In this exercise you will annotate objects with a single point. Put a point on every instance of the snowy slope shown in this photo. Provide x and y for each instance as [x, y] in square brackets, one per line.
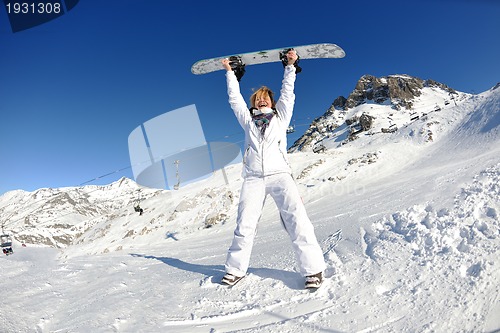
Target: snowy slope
[419, 223]
[57, 217]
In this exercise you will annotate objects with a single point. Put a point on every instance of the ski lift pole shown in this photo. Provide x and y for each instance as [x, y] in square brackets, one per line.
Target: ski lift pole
[176, 186]
[225, 176]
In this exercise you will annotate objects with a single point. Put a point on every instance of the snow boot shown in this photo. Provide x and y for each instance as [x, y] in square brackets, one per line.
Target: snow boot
[230, 279]
[314, 281]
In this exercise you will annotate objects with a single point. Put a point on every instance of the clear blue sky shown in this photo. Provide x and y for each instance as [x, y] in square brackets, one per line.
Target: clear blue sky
[72, 89]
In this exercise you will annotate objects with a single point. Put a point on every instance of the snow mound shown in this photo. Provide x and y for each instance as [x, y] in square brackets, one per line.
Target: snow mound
[442, 252]
[428, 232]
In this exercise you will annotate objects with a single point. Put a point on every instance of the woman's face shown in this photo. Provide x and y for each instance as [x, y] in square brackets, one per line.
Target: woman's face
[263, 101]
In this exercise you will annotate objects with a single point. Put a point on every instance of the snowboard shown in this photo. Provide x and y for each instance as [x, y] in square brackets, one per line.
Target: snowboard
[312, 51]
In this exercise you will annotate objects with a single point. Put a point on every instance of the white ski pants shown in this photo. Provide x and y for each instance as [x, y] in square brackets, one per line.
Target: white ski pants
[283, 190]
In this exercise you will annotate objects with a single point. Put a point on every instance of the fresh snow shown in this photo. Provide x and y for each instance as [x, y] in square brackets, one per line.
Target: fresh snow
[409, 226]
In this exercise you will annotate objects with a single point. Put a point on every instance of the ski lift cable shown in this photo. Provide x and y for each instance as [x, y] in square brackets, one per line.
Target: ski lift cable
[144, 162]
[126, 168]
[98, 187]
[160, 158]
[89, 192]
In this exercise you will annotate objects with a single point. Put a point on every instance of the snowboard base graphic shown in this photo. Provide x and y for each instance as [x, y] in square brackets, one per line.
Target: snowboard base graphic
[313, 51]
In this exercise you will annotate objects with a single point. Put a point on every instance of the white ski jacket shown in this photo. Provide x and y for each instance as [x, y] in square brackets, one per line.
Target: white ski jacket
[264, 155]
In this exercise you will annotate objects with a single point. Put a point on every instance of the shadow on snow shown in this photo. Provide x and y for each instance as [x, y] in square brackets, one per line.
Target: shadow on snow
[292, 280]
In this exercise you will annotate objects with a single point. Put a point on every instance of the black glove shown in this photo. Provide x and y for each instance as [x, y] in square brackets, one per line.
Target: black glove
[237, 66]
[284, 61]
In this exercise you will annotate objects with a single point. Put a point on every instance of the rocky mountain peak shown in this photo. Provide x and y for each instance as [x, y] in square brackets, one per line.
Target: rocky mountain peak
[398, 90]
[385, 103]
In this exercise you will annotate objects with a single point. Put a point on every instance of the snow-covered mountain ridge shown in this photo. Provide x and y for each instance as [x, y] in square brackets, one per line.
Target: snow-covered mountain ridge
[409, 228]
[380, 106]
[58, 216]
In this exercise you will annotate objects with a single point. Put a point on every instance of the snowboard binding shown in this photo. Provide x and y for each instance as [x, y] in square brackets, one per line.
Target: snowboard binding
[237, 66]
[284, 60]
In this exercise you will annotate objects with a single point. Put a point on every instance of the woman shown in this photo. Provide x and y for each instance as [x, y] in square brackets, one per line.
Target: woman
[266, 171]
